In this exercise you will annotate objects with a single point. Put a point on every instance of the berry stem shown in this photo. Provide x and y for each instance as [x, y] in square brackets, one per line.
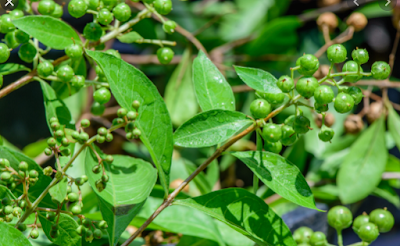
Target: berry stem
[156, 41]
[256, 180]
[340, 237]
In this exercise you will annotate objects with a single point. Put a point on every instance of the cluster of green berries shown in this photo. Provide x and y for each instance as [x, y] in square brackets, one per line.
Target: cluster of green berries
[130, 116]
[11, 209]
[340, 218]
[11, 177]
[308, 86]
[58, 143]
[91, 229]
[15, 37]
[101, 183]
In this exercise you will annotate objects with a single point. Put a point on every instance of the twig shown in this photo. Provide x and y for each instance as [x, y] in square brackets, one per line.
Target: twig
[147, 59]
[390, 175]
[325, 32]
[26, 79]
[178, 28]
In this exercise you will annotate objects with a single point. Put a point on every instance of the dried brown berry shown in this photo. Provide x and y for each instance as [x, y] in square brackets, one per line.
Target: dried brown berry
[329, 19]
[353, 124]
[358, 21]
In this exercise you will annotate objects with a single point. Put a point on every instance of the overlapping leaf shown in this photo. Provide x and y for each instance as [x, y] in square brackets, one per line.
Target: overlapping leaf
[258, 79]
[67, 230]
[12, 236]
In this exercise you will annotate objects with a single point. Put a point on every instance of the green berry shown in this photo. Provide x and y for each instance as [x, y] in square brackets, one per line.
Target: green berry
[94, 4]
[368, 232]
[273, 98]
[309, 64]
[6, 201]
[69, 189]
[46, 7]
[109, 159]
[260, 108]
[102, 225]
[100, 185]
[22, 227]
[8, 209]
[96, 169]
[59, 133]
[48, 171]
[16, 14]
[302, 235]
[340, 217]
[23, 166]
[85, 123]
[136, 133]
[51, 142]
[76, 208]
[4, 53]
[356, 93]
[131, 115]
[383, 219]
[273, 147]
[326, 134]
[102, 131]
[104, 178]
[9, 218]
[77, 8]
[324, 94]
[359, 221]
[306, 86]
[92, 31]
[318, 239]
[73, 197]
[97, 108]
[360, 56]
[80, 230]
[105, 16]
[74, 51]
[301, 124]
[34, 233]
[100, 139]
[58, 11]
[78, 81]
[88, 236]
[122, 112]
[6, 23]
[5, 176]
[290, 120]
[163, 6]
[51, 216]
[65, 73]
[10, 40]
[344, 103]
[289, 136]
[22, 203]
[54, 233]
[84, 136]
[33, 174]
[97, 234]
[272, 132]
[122, 12]
[99, 71]
[337, 53]
[21, 36]
[165, 55]
[102, 95]
[380, 70]
[27, 52]
[351, 67]
[47, 151]
[169, 26]
[109, 137]
[45, 68]
[286, 84]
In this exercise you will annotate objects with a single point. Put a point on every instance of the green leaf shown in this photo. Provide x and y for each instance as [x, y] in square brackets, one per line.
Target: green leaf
[394, 126]
[55, 107]
[34, 149]
[258, 79]
[130, 183]
[278, 36]
[15, 157]
[10, 68]
[212, 90]
[130, 37]
[297, 154]
[195, 241]
[280, 175]
[177, 219]
[67, 230]
[179, 93]
[5, 192]
[210, 128]
[59, 191]
[362, 169]
[385, 191]
[129, 84]
[232, 237]
[244, 212]
[50, 31]
[11, 236]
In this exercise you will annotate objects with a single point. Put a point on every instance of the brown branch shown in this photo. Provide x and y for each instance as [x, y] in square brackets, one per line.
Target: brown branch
[26, 79]
[178, 28]
[147, 59]
[392, 55]
[343, 37]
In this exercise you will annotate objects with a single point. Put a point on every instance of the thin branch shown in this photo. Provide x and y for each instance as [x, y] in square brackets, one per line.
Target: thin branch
[147, 59]
[178, 28]
[26, 79]
[392, 55]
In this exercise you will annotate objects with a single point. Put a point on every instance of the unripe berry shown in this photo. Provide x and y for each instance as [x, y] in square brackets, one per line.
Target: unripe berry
[6, 23]
[169, 26]
[301, 124]
[97, 108]
[105, 16]
[102, 95]
[340, 217]
[122, 112]
[78, 81]
[368, 232]
[97, 234]
[272, 132]
[4, 53]
[109, 159]
[58, 11]
[131, 115]
[45, 68]
[360, 56]
[100, 139]
[33, 174]
[273, 147]
[163, 6]
[96, 169]
[48, 171]
[337, 53]
[73, 197]
[122, 12]
[302, 235]
[343, 103]
[383, 219]
[356, 93]
[102, 224]
[51, 142]
[286, 84]
[306, 86]
[77, 8]
[46, 7]
[76, 208]
[48, 151]
[59, 133]
[109, 137]
[92, 31]
[289, 136]
[5, 176]
[27, 52]
[34, 233]
[23, 166]
[74, 51]
[309, 63]
[359, 221]
[326, 134]
[352, 67]
[318, 239]
[273, 98]
[260, 108]
[136, 104]
[324, 94]
[380, 70]
[85, 123]
[65, 73]
[80, 230]
[165, 55]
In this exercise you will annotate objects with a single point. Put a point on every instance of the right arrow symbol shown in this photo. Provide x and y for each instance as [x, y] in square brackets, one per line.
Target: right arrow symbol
[355, 1]
[388, 2]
